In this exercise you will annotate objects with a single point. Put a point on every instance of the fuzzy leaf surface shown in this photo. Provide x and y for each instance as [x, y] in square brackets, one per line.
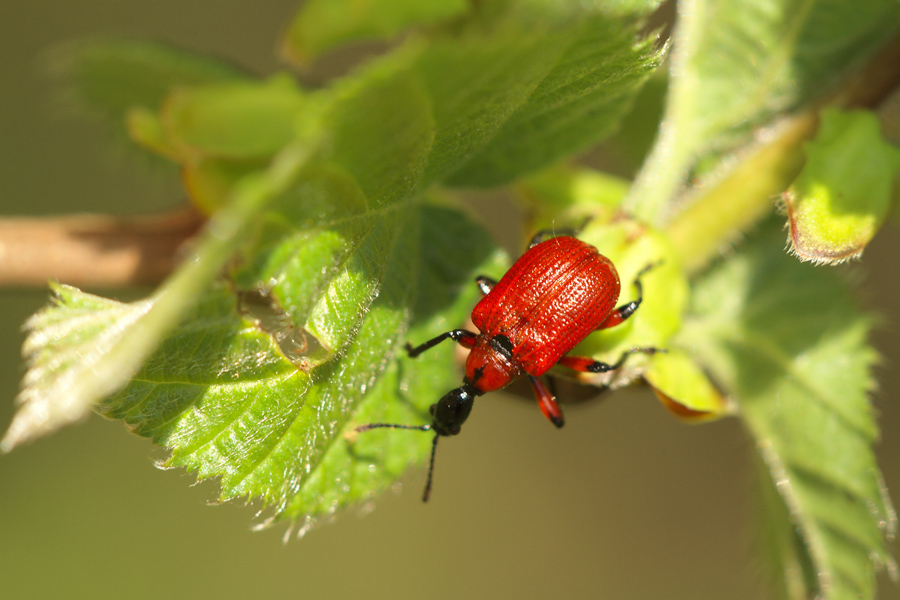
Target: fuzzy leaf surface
[838, 202]
[788, 342]
[221, 394]
[737, 64]
[590, 75]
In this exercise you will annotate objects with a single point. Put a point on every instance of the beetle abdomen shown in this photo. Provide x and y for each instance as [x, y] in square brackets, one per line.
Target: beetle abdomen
[550, 300]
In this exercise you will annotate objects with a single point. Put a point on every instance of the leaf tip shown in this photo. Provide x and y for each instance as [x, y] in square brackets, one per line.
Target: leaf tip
[31, 422]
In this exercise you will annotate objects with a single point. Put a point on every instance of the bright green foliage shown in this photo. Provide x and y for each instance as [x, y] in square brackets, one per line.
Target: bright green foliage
[69, 347]
[70, 372]
[842, 195]
[321, 206]
[788, 343]
[221, 394]
[322, 25]
[737, 64]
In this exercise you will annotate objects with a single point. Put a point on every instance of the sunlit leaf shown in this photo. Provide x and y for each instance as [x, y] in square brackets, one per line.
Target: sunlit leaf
[839, 200]
[221, 394]
[788, 343]
[68, 347]
[578, 101]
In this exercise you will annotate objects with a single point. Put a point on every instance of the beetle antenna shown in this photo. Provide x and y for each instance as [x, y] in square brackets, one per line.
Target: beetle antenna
[369, 426]
[427, 493]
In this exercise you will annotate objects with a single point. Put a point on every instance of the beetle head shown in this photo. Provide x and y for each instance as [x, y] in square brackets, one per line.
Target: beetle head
[448, 414]
[452, 410]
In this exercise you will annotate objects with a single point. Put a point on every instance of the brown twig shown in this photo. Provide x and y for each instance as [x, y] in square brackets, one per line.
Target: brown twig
[94, 250]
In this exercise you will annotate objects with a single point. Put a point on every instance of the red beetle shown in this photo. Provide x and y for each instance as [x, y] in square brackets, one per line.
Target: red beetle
[557, 293]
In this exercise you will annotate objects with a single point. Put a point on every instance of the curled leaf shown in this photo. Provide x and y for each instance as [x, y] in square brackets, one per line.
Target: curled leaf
[683, 387]
[76, 350]
[839, 200]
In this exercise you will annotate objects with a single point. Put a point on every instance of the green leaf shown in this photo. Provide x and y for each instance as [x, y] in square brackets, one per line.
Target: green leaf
[683, 387]
[71, 370]
[789, 344]
[334, 234]
[220, 393]
[505, 65]
[67, 347]
[549, 82]
[322, 25]
[112, 77]
[581, 98]
[564, 194]
[839, 200]
[738, 64]
[236, 119]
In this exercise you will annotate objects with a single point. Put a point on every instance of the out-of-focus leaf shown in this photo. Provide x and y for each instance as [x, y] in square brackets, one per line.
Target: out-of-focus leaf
[570, 195]
[788, 343]
[234, 119]
[322, 25]
[842, 196]
[209, 182]
[737, 64]
[111, 77]
[550, 80]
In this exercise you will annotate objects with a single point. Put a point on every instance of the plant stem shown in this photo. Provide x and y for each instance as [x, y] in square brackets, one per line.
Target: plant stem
[94, 250]
[719, 214]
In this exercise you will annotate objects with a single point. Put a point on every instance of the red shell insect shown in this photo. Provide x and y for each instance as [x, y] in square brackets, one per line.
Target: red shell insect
[557, 293]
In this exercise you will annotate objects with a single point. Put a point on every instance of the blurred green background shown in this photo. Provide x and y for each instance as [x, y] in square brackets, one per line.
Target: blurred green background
[623, 503]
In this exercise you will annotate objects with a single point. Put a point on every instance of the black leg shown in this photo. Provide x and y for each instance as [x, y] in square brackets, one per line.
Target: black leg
[586, 364]
[461, 336]
[626, 310]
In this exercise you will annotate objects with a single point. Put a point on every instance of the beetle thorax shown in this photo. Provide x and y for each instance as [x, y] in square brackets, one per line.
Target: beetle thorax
[491, 364]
